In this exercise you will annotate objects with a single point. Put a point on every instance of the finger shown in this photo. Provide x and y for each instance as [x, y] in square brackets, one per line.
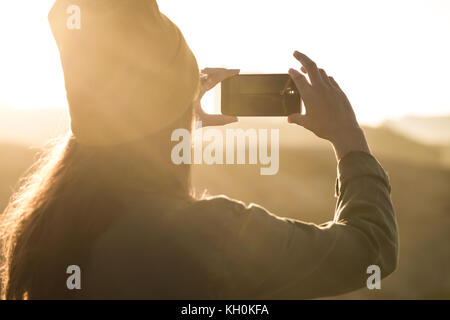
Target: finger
[334, 83]
[324, 77]
[218, 76]
[303, 69]
[224, 74]
[300, 82]
[212, 71]
[310, 67]
[210, 120]
[300, 119]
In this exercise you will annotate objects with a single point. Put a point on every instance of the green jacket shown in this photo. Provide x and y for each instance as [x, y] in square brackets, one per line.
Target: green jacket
[220, 248]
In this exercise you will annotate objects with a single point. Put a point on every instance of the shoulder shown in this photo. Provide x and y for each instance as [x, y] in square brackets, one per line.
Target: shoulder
[211, 219]
[224, 206]
[221, 213]
[221, 218]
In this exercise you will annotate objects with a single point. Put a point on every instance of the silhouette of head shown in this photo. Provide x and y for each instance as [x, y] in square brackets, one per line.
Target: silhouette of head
[128, 69]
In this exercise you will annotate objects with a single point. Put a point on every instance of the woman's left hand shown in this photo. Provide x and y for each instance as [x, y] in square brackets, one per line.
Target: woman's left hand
[210, 77]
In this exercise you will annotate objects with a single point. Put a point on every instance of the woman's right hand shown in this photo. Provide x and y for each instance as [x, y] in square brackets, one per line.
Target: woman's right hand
[329, 113]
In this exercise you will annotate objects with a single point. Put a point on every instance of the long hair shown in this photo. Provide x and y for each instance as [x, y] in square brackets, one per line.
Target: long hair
[70, 196]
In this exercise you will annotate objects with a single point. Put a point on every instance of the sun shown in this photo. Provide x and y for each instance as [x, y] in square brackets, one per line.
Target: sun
[31, 73]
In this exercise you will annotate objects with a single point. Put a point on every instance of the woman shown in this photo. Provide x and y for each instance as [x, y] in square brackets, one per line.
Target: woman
[109, 200]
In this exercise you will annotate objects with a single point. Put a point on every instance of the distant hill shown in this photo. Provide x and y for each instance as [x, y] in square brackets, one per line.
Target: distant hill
[32, 127]
[433, 130]
[36, 126]
[387, 142]
[383, 140]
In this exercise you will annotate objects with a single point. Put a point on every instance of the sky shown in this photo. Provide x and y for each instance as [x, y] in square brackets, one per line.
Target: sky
[390, 57]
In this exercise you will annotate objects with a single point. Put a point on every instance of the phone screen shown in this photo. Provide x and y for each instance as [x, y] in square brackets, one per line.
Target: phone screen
[260, 95]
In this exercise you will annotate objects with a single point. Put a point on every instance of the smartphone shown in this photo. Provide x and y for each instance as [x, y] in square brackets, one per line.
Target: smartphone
[259, 95]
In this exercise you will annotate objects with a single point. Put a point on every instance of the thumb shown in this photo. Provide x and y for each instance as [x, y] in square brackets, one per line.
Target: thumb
[298, 118]
[212, 120]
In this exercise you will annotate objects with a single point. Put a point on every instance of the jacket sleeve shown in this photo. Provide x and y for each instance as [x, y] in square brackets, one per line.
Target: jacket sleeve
[267, 257]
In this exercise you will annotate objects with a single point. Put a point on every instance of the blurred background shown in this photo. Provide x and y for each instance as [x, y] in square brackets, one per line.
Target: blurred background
[390, 57]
